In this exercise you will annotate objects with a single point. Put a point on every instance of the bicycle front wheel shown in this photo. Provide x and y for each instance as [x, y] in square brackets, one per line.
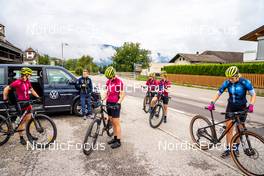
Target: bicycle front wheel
[91, 136]
[201, 132]
[146, 104]
[248, 152]
[41, 131]
[156, 116]
[4, 130]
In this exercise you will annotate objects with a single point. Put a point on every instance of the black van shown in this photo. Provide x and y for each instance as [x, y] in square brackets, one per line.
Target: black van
[54, 84]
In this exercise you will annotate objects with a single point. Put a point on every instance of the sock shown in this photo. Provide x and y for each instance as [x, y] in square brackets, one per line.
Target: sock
[118, 140]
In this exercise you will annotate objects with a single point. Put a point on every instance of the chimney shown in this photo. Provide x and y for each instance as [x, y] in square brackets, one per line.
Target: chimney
[2, 32]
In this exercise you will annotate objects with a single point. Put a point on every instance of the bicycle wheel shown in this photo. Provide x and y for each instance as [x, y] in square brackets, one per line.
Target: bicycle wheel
[109, 129]
[41, 131]
[201, 136]
[4, 130]
[156, 116]
[146, 104]
[91, 136]
[250, 158]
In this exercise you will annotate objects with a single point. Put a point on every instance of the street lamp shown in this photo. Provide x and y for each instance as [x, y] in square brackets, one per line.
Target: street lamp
[63, 44]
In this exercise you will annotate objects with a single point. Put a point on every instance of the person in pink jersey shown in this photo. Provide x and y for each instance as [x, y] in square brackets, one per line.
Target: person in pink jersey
[22, 87]
[114, 97]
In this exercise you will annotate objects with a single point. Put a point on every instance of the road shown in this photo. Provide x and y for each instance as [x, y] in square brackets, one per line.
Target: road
[145, 151]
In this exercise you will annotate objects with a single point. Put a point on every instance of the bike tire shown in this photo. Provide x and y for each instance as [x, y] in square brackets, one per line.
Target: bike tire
[237, 159]
[4, 124]
[39, 119]
[109, 129]
[194, 133]
[95, 123]
[151, 116]
[145, 102]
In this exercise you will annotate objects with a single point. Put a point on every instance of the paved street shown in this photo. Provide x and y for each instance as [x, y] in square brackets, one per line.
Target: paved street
[145, 151]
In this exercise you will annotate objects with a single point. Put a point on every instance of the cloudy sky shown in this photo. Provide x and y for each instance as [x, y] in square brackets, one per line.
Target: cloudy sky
[162, 26]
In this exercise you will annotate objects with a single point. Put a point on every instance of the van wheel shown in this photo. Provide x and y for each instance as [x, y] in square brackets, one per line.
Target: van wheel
[77, 110]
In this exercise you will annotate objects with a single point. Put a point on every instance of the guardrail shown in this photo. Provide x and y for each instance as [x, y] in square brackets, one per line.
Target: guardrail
[214, 81]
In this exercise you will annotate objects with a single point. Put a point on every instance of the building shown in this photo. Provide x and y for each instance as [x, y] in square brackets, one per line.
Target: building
[256, 36]
[8, 52]
[31, 57]
[183, 59]
[227, 56]
[154, 68]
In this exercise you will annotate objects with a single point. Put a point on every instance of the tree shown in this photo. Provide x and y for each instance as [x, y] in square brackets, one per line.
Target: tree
[44, 60]
[129, 54]
[86, 62]
[71, 64]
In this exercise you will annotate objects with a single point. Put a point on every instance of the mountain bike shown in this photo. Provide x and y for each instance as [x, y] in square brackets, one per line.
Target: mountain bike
[94, 130]
[147, 101]
[247, 148]
[41, 131]
[157, 115]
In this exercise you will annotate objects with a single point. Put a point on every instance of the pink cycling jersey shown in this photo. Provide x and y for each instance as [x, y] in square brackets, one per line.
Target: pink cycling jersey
[152, 83]
[114, 86]
[163, 85]
[22, 89]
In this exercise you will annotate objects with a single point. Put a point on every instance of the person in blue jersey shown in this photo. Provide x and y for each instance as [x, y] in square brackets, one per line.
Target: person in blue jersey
[237, 88]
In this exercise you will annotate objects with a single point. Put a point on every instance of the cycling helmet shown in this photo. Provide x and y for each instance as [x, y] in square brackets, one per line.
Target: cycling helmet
[110, 72]
[232, 72]
[163, 73]
[26, 71]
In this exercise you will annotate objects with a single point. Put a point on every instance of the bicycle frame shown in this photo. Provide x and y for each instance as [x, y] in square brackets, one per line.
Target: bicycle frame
[214, 139]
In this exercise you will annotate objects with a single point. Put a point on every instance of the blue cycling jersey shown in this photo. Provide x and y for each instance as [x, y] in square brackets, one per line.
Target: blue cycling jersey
[237, 91]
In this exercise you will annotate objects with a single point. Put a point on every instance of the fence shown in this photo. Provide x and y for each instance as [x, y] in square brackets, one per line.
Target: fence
[214, 81]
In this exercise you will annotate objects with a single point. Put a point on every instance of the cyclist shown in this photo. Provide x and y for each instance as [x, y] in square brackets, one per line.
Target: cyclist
[237, 88]
[22, 88]
[152, 83]
[114, 97]
[164, 85]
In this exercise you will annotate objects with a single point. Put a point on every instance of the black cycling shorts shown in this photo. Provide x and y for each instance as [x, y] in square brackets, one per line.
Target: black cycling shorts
[113, 111]
[165, 100]
[235, 108]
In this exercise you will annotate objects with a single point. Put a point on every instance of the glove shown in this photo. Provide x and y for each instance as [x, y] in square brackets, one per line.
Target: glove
[211, 106]
[250, 108]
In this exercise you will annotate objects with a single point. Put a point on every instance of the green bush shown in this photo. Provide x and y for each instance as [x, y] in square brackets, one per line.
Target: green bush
[214, 69]
[78, 71]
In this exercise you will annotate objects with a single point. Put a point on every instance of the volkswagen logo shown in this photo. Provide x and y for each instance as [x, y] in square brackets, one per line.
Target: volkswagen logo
[54, 94]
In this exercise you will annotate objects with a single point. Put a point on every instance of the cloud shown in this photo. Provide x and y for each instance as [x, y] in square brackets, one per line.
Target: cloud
[165, 27]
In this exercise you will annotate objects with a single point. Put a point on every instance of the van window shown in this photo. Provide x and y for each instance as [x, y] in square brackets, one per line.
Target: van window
[57, 76]
[34, 77]
[2, 76]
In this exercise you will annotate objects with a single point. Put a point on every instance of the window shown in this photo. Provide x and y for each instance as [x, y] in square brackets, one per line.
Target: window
[34, 77]
[57, 76]
[2, 76]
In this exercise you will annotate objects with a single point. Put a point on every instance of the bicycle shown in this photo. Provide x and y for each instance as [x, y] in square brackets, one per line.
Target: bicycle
[155, 119]
[94, 128]
[245, 156]
[37, 128]
[147, 101]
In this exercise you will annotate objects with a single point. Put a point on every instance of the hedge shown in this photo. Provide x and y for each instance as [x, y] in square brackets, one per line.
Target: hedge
[214, 69]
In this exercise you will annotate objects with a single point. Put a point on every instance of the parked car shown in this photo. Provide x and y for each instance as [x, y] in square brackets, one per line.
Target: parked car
[54, 84]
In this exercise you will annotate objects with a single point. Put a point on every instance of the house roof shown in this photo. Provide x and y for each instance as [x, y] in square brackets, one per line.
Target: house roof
[198, 58]
[253, 35]
[229, 57]
[29, 50]
[10, 46]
